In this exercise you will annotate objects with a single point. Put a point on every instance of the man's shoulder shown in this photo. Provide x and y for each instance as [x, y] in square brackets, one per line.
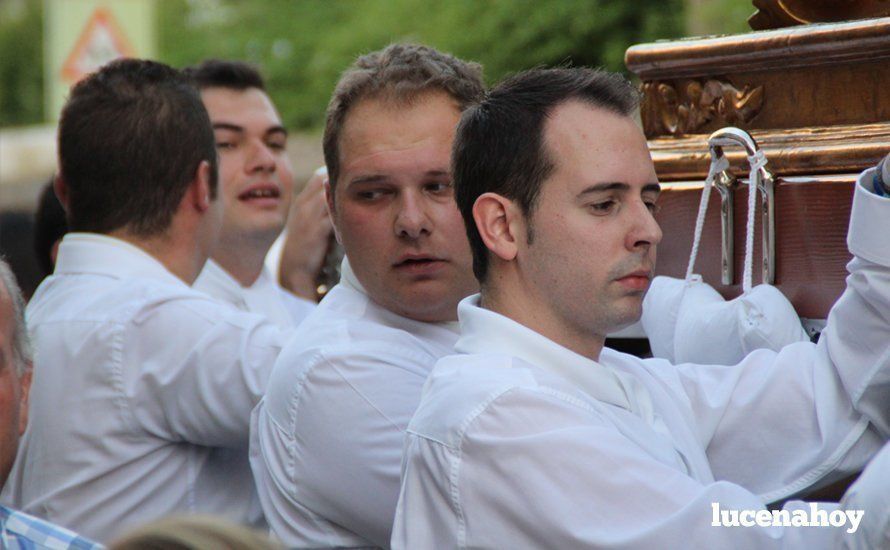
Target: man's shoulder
[493, 395]
[348, 329]
[463, 386]
[20, 530]
[90, 298]
[85, 322]
[345, 348]
[75, 292]
[351, 350]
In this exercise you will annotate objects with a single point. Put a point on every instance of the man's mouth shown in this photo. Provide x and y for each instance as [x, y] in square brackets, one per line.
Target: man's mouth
[417, 264]
[636, 281]
[261, 194]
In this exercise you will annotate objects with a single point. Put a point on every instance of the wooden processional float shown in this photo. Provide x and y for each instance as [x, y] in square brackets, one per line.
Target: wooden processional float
[813, 98]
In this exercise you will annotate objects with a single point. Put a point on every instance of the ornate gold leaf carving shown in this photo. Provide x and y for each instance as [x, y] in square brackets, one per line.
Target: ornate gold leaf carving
[666, 110]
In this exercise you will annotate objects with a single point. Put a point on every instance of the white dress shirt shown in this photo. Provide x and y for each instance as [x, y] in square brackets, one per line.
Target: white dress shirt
[521, 443]
[870, 493]
[326, 441]
[264, 297]
[141, 397]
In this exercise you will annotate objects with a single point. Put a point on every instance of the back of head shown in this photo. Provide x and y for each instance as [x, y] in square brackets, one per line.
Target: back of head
[401, 73]
[193, 533]
[499, 146]
[222, 73]
[131, 138]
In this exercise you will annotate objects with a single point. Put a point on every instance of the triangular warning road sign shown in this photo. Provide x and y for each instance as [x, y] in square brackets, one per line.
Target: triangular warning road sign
[101, 41]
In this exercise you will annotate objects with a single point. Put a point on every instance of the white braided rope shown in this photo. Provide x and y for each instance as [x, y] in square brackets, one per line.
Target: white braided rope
[756, 162]
[718, 165]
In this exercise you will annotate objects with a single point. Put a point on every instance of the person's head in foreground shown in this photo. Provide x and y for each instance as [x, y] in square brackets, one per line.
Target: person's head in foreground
[193, 533]
[557, 189]
[255, 174]
[15, 369]
[137, 161]
[387, 143]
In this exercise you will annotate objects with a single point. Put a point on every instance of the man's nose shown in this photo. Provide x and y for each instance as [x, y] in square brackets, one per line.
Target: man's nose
[260, 158]
[412, 220]
[645, 231]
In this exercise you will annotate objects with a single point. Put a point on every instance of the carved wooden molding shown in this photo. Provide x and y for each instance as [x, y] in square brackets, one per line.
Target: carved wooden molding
[782, 49]
[776, 14]
[791, 152]
[667, 110]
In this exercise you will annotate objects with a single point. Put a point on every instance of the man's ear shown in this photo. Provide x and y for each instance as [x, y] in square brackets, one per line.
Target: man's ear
[496, 218]
[25, 382]
[329, 201]
[60, 188]
[200, 189]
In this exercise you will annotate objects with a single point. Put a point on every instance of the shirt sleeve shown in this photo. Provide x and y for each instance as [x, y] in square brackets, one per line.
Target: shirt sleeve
[534, 470]
[871, 494]
[824, 404]
[194, 369]
[329, 436]
[298, 308]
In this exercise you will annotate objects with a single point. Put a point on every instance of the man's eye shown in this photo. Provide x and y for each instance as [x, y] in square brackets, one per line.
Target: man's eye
[277, 146]
[604, 207]
[438, 187]
[653, 207]
[225, 145]
[370, 194]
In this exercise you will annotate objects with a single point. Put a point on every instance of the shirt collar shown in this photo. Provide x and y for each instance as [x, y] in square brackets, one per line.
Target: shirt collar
[265, 285]
[224, 279]
[106, 255]
[348, 278]
[484, 331]
[215, 279]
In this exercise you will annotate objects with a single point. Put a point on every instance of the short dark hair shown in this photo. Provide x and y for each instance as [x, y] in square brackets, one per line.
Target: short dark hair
[499, 146]
[131, 138]
[224, 73]
[400, 72]
[49, 226]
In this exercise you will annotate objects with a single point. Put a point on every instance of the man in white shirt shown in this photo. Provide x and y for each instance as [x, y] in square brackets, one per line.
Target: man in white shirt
[256, 185]
[143, 387]
[326, 440]
[536, 436]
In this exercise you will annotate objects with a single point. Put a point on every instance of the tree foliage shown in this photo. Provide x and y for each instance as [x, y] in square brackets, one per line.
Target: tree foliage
[21, 67]
[302, 47]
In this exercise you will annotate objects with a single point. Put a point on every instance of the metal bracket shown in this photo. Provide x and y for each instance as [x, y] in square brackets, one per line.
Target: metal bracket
[765, 184]
[725, 183]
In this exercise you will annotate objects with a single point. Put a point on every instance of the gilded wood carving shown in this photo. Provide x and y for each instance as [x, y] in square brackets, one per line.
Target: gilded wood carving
[685, 108]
